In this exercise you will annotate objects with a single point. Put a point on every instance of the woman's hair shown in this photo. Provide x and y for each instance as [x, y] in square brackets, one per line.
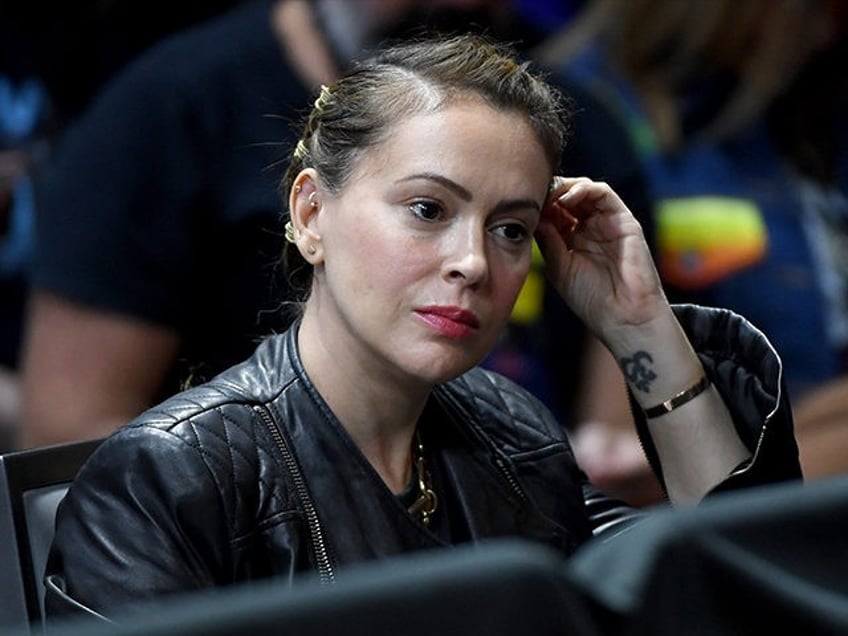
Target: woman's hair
[359, 110]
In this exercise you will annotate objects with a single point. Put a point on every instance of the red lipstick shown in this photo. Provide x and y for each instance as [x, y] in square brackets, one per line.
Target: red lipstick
[453, 322]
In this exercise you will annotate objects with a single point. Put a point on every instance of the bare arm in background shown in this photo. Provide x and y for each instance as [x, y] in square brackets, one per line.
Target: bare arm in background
[821, 425]
[85, 372]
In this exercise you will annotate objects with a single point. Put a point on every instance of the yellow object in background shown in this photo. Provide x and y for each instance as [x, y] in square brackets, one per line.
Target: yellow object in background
[702, 240]
[528, 305]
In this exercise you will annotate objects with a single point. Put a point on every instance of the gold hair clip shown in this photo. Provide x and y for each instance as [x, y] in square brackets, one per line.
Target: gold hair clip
[301, 150]
[323, 97]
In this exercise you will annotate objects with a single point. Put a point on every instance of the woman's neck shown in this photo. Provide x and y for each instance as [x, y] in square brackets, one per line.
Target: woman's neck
[378, 410]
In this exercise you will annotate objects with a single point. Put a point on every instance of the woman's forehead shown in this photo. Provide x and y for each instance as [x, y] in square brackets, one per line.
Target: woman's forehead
[461, 139]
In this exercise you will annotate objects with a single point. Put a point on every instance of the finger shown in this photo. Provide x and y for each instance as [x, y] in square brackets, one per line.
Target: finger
[560, 216]
[584, 197]
[554, 209]
[562, 221]
[554, 242]
[561, 185]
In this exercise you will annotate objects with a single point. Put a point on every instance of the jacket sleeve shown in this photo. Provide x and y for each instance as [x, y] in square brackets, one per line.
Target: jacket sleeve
[748, 373]
[144, 517]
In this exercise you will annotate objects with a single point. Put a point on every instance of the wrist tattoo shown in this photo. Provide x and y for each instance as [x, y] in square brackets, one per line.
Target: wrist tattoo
[638, 371]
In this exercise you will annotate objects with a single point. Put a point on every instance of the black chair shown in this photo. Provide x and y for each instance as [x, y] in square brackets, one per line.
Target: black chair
[738, 563]
[501, 588]
[32, 483]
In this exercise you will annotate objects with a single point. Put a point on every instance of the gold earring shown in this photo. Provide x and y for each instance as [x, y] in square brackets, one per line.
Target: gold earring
[312, 201]
[289, 232]
[297, 189]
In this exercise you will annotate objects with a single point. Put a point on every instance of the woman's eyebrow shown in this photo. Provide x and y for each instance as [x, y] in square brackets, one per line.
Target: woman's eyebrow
[450, 184]
[517, 204]
[466, 195]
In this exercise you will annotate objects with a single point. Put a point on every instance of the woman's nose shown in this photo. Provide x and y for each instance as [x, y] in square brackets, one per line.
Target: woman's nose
[467, 261]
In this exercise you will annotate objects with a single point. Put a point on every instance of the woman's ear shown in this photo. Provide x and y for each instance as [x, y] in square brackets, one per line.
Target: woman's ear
[305, 206]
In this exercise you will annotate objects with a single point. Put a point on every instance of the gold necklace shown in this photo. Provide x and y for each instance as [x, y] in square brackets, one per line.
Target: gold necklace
[427, 501]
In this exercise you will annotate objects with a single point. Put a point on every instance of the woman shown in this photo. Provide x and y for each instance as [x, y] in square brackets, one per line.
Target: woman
[365, 430]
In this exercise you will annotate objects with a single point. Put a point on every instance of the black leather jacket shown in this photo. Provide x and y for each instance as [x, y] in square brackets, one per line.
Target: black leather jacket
[251, 475]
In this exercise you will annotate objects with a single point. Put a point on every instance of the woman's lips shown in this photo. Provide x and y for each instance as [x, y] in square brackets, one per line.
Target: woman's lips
[453, 322]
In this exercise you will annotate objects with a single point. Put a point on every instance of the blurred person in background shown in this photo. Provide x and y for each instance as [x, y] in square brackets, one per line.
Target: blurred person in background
[52, 59]
[737, 112]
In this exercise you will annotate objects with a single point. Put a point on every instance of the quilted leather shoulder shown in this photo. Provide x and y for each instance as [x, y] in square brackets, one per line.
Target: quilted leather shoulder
[512, 417]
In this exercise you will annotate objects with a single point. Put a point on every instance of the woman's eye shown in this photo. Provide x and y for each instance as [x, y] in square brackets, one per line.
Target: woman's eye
[513, 232]
[426, 210]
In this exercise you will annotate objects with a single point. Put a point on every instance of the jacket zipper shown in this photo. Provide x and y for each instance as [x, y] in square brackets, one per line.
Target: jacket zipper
[510, 478]
[640, 439]
[324, 564]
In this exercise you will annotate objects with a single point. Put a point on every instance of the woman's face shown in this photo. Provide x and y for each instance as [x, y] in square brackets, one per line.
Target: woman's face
[425, 249]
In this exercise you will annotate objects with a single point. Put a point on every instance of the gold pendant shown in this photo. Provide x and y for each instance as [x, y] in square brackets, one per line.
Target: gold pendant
[427, 501]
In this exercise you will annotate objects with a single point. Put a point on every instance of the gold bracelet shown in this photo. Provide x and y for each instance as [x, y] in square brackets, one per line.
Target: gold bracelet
[678, 400]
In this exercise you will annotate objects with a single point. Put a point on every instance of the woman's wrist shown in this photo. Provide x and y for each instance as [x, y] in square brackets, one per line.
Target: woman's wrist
[657, 361]
[693, 433]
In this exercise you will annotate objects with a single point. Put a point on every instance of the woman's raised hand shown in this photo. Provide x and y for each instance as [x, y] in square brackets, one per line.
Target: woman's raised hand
[597, 258]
